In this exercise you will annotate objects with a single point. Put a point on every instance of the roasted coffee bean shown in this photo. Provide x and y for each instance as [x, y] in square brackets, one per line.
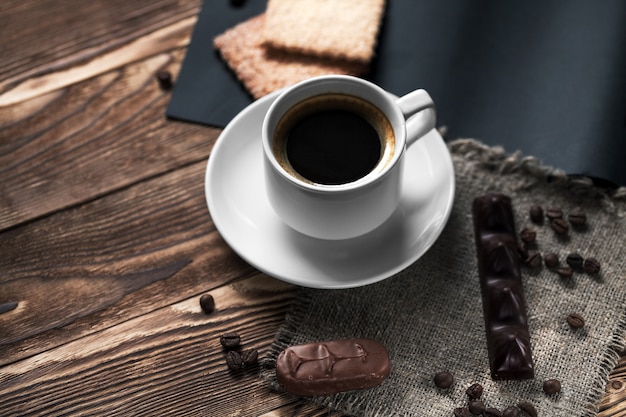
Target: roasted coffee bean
[536, 214]
[462, 412]
[552, 386]
[554, 213]
[250, 357]
[534, 260]
[207, 303]
[591, 266]
[560, 226]
[551, 260]
[528, 408]
[234, 361]
[575, 320]
[165, 79]
[528, 235]
[230, 340]
[575, 261]
[565, 272]
[577, 218]
[492, 412]
[475, 391]
[476, 407]
[444, 380]
[511, 411]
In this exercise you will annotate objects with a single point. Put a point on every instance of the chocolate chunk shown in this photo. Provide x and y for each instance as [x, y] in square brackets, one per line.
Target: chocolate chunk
[443, 380]
[508, 340]
[324, 368]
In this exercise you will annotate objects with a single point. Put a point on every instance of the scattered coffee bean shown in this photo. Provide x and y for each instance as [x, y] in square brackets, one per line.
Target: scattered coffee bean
[536, 214]
[511, 411]
[577, 218]
[575, 261]
[528, 235]
[234, 361]
[575, 320]
[444, 380]
[551, 260]
[207, 303]
[250, 357]
[528, 408]
[534, 260]
[462, 412]
[591, 266]
[522, 250]
[165, 79]
[475, 391]
[560, 226]
[565, 272]
[492, 412]
[476, 407]
[552, 386]
[554, 213]
[230, 340]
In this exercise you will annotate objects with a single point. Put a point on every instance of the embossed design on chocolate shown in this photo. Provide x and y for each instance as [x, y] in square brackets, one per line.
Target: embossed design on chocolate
[325, 368]
[506, 323]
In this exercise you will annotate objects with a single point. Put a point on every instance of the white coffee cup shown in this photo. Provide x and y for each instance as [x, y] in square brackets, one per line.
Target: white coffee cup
[347, 209]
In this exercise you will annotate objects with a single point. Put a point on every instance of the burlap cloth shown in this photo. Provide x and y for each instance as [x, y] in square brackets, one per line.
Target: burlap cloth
[430, 315]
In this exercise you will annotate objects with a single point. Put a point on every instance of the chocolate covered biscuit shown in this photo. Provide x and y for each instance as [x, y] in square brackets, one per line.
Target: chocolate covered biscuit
[324, 368]
[506, 323]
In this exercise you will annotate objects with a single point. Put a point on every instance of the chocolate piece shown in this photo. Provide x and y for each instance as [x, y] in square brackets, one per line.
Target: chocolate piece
[324, 368]
[506, 323]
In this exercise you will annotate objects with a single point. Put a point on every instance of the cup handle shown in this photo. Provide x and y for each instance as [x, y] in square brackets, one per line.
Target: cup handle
[419, 111]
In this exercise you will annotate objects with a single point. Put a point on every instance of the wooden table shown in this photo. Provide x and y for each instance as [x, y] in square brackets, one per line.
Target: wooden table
[106, 243]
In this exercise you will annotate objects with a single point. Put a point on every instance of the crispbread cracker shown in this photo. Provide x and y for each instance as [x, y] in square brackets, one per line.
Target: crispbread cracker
[344, 29]
[262, 69]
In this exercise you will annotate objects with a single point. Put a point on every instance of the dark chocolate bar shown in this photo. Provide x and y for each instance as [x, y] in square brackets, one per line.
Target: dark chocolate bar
[506, 323]
[325, 368]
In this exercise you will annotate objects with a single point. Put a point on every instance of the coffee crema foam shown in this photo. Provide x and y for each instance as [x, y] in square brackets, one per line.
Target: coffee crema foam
[328, 103]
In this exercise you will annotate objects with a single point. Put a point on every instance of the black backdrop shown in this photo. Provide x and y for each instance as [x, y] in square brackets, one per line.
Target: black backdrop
[544, 77]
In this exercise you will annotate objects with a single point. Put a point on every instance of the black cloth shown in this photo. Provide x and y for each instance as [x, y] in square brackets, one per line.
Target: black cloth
[543, 77]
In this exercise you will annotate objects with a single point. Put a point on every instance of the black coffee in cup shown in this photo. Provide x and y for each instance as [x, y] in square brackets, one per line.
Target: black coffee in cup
[333, 139]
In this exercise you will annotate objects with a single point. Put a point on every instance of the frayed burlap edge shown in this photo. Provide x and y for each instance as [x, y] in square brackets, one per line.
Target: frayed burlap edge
[531, 172]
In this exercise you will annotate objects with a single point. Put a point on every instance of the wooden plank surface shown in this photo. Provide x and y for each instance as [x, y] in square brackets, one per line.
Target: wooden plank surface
[106, 243]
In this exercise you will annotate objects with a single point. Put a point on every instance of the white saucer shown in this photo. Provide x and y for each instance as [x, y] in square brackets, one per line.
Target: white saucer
[235, 193]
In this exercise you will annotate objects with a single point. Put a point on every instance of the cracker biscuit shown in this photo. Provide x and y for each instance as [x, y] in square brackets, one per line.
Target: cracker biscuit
[345, 29]
[263, 69]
